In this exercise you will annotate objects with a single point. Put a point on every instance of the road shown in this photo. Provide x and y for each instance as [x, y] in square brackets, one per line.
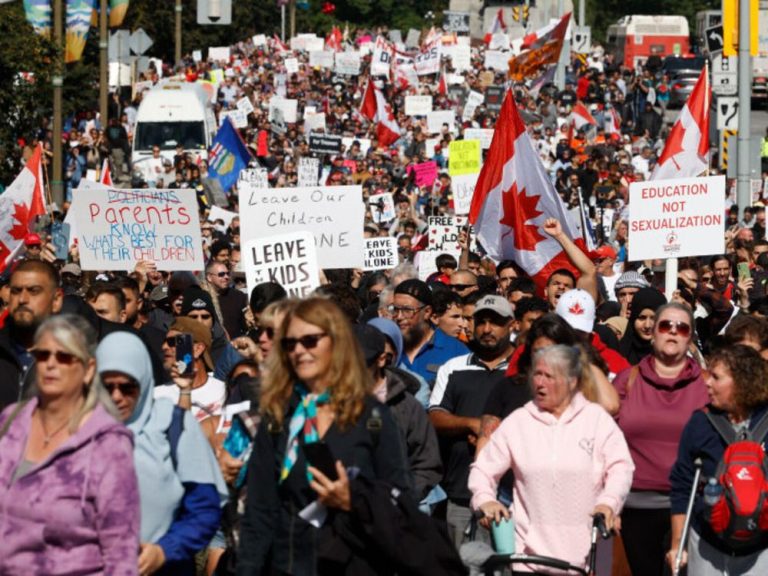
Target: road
[758, 120]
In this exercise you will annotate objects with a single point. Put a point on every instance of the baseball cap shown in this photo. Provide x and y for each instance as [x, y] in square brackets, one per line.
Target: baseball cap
[603, 251]
[578, 309]
[200, 335]
[159, 293]
[32, 239]
[72, 268]
[630, 279]
[494, 303]
[416, 289]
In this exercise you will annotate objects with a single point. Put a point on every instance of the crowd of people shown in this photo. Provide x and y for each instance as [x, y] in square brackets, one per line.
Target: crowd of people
[173, 423]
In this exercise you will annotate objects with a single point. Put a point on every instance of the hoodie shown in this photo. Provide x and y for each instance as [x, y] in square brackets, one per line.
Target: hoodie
[586, 463]
[75, 513]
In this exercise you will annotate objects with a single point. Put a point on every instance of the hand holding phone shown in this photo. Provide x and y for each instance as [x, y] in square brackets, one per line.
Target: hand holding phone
[185, 358]
[319, 456]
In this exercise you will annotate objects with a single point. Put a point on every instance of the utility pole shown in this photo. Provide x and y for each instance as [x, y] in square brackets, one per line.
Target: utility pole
[565, 53]
[103, 64]
[178, 11]
[582, 13]
[743, 190]
[57, 183]
[293, 18]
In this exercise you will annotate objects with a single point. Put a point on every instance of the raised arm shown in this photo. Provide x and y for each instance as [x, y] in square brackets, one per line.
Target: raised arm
[587, 271]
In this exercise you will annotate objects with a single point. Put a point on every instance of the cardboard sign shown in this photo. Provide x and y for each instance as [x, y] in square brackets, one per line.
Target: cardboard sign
[324, 144]
[485, 135]
[425, 173]
[218, 213]
[676, 218]
[117, 228]
[347, 63]
[309, 171]
[289, 108]
[256, 177]
[288, 259]
[380, 254]
[464, 157]
[437, 118]
[321, 59]
[382, 207]
[418, 105]
[333, 214]
[463, 187]
[245, 105]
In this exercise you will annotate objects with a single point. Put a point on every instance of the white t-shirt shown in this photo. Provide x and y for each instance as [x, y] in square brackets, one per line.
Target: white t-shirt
[207, 400]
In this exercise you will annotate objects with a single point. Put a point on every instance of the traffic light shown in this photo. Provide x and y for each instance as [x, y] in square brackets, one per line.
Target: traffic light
[516, 13]
[526, 13]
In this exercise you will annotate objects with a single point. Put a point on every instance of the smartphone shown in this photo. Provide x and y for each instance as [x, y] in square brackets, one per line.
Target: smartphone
[184, 356]
[743, 270]
[60, 239]
[319, 455]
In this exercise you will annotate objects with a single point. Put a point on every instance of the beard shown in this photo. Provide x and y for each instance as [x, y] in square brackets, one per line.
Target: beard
[414, 336]
[493, 350]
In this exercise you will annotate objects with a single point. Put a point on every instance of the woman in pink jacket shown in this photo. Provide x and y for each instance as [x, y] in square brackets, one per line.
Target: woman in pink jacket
[569, 459]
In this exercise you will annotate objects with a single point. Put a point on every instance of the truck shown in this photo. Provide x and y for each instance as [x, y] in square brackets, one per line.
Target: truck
[633, 39]
[174, 112]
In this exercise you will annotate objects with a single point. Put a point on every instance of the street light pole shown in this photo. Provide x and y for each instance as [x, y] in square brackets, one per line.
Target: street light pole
[57, 183]
[565, 53]
[103, 64]
[743, 188]
[178, 11]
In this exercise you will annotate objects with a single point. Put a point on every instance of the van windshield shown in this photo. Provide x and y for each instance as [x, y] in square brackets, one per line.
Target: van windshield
[167, 135]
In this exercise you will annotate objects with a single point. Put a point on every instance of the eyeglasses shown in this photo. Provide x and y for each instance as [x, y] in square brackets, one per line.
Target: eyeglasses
[308, 342]
[404, 311]
[460, 287]
[61, 357]
[682, 328]
[268, 330]
[221, 274]
[126, 389]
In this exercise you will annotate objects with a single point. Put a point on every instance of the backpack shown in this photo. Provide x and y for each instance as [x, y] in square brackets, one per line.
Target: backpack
[740, 516]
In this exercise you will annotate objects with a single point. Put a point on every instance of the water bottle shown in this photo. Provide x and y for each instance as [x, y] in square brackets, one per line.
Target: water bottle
[712, 492]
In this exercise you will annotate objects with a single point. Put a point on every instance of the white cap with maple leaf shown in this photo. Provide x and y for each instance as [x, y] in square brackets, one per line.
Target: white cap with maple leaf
[578, 309]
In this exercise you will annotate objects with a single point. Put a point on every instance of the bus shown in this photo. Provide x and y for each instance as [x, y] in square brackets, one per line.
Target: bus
[634, 38]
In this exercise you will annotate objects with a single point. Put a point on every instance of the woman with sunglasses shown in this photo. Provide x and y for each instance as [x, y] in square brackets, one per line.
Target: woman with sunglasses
[70, 500]
[658, 396]
[180, 486]
[315, 390]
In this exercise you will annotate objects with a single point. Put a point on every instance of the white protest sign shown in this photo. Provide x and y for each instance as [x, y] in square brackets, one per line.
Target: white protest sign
[218, 53]
[412, 38]
[259, 40]
[497, 60]
[444, 233]
[460, 56]
[418, 105]
[382, 57]
[428, 60]
[437, 118]
[429, 147]
[485, 135]
[314, 44]
[299, 42]
[245, 105]
[218, 213]
[499, 41]
[463, 187]
[314, 121]
[197, 55]
[676, 218]
[382, 207]
[365, 143]
[321, 58]
[334, 214]
[309, 171]
[289, 108]
[380, 253]
[238, 117]
[288, 259]
[347, 63]
[117, 228]
[474, 99]
[254, 177]
[291, 65]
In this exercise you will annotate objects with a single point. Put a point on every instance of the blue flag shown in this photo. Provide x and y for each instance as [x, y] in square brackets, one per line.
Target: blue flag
[228, 155]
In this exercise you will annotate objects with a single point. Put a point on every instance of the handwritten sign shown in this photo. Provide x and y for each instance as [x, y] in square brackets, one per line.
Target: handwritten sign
[256, 177]
[464, 157]
[218, 213]
[259, 40]
[238, 117]
[463, 187]
[418, 105]
[444, 233]
[425, 173]
[382, 207]
[245, 105]
[497, 60]
[309, 170]
[218, 53]
[288, 259]
[333, 214]
[347, 63]
[321, 59]
[485, 135]
[117, 228]
[380, 253]
[437, 118]
[292, 65]
[288, 107]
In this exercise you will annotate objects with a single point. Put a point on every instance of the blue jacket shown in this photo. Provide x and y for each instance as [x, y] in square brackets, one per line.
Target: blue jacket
[436, 352]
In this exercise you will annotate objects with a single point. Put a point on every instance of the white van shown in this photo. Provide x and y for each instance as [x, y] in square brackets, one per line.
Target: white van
[174, 112]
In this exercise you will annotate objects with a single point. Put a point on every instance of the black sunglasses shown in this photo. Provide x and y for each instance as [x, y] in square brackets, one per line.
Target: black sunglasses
[222, 274]
[171, 341]
[460, 287]
[268, 330]
[127, 389]
[308, 342]
[62, 357]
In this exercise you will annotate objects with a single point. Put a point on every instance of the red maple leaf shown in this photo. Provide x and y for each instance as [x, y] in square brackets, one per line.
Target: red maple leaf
[519, 209]
[674, 144]
[576, 309]
[20, 215]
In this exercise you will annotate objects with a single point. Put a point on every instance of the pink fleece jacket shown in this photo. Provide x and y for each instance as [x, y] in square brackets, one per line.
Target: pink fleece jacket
[563, 469]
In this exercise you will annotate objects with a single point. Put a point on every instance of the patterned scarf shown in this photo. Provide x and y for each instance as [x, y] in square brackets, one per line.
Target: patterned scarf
[304, 420]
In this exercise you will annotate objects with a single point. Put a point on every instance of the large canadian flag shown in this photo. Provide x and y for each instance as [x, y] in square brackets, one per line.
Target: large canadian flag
[513, 197]
[20, 204]
[376, 108]
[686, 152]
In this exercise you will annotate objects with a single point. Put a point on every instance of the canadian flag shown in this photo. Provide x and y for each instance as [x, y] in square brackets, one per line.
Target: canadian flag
[686, 152]
[612, 122]
[376, 108]
[442, 84]
[279, 44]
[106, 174]
[334, 39]
[512, 199]
[20, 204]
[580, 116]
[497, 25]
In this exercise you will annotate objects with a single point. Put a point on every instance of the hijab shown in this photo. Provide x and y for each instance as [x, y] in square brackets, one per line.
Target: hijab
[632, 346]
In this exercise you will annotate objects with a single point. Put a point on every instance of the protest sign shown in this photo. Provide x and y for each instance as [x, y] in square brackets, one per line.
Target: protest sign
[380, 254]
[314, 121]
[412, 38]
[238, 117]
[464, 157]
[494, 97]
[455, 21]
[218, 53]
[347, 63]
[117, 228]
[365, 143]
[334, 215]
[425, 173]
[324, 144]
[309, 170]
[382, 207]
[677, 217]
[287, 259]
[428, 60]
[437, 118]
[245, 105]
[474, 99]
[299, 42]
[485, 135]
[289, 108]
[382, 57]
[259, 40]
[218, 213]
[429, 147]
[497, 60]
[460, 55]
[291, 65]
[197, 55]
[256, 177]
[418, 105]
[314, 44]
[499, 41]
[463, 187]
[321, 59]
[444, 233]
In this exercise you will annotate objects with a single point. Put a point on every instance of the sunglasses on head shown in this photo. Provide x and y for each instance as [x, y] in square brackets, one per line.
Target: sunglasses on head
[682, 328]
[308, 342]
[61, 357]
[126, 389]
